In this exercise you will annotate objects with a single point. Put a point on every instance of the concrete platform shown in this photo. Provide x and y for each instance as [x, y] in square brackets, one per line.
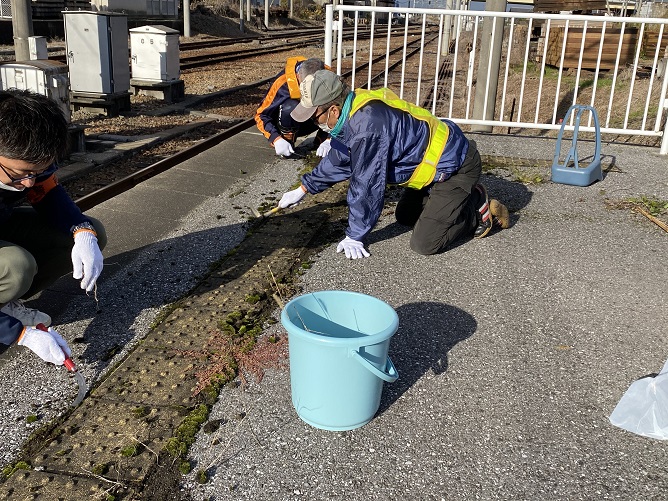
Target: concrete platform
[512, 350]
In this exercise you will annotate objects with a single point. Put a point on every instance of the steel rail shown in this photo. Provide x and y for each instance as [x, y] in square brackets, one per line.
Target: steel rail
[105, 193]
[122, 185]
[199, 60]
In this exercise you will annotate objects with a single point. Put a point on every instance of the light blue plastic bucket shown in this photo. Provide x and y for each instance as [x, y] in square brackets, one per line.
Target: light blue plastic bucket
[338, 343]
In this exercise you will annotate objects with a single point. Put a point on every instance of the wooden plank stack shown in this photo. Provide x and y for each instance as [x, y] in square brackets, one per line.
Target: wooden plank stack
[650, 40]
[559, 5]
[591, 46]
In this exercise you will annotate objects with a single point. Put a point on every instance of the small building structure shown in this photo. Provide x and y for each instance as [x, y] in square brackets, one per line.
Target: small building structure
[155, 63]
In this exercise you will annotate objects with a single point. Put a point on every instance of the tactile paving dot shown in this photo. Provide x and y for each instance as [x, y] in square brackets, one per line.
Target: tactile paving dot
[123, 438]
[183, 331]
[30, 484]
[156, 377]
[132, 380]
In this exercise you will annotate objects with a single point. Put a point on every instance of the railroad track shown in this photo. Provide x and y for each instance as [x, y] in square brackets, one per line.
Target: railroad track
[119, 186]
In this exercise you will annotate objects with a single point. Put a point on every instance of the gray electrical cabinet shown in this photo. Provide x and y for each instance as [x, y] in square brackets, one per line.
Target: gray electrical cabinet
[45, 77]
[155, 53]
[97, 51]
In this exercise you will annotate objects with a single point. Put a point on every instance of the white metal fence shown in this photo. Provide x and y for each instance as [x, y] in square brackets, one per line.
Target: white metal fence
[548, 62]
[5, 9]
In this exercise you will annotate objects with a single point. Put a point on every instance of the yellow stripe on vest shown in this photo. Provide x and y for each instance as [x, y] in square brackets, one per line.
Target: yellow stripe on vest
[425, 171]
[291, 76]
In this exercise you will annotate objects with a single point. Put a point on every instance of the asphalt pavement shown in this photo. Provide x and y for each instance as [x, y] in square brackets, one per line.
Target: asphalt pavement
[512, 353]
[512, 350]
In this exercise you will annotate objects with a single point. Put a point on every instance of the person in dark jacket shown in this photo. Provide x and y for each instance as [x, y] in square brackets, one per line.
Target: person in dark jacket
[41, 243]
[379, 139]
[273, 116]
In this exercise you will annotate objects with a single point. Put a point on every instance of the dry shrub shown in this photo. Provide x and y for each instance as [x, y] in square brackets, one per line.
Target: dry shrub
[229, 356]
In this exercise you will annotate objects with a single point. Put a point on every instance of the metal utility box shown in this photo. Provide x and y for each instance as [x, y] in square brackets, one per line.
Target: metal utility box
[97, 51]
[155, 53]
[37, 48]
[48, 78]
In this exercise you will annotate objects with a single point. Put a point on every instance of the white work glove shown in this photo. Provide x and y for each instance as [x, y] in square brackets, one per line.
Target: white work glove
[283, 147]
[352, 248]
[47, 345]
[324, 148]
[291, 197]
[87, 260]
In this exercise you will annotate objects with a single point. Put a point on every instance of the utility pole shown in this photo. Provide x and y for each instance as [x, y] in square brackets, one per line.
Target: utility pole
[186, 18]
[266, 14]
[445, 43]
[489, 66]
[241, 16]
[22, 26]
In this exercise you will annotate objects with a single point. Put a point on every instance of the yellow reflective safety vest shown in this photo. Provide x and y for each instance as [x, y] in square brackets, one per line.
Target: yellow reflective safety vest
[291, 76]
[425, 172]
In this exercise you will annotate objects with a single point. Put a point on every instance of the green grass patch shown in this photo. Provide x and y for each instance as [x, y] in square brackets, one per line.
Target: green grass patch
[202, 477]
[185, 434]
[131, 450]
[656, 207]
[100, 469]
[10, 469]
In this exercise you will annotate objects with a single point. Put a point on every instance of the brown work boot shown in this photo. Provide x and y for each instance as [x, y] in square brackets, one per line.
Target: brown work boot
[500, 213]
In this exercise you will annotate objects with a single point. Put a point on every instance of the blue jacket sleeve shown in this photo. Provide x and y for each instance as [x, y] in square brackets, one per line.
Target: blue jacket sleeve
[10, 329]
[366, 167]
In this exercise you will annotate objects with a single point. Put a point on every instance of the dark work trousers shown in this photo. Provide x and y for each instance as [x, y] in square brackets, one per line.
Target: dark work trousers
[34, 254]
[442, 212]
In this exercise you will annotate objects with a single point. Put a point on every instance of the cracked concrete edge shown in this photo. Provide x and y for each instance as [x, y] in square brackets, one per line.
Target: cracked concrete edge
[159, 379]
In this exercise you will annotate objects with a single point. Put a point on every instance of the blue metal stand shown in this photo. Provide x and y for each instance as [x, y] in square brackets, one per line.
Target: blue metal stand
[574, 174]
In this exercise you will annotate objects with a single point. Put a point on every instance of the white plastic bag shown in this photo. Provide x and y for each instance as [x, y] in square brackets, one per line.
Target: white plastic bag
[643, 409]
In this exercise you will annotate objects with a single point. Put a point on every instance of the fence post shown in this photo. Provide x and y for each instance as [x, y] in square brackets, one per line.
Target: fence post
[664, 138]
[329, 17]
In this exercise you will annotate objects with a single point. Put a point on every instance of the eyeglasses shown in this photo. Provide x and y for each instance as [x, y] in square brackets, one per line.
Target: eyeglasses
[318, 115]
[15, 180]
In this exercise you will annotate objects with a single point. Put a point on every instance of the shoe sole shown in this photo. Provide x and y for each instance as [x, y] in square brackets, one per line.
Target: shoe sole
[483, 235]
[500, 212]
[483, 191]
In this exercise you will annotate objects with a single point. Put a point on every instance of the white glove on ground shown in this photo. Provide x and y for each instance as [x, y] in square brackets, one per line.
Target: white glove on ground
[87, 260]
[283, 147]
[291, 197]
[352, 248]
[47, 345]
[324, 148]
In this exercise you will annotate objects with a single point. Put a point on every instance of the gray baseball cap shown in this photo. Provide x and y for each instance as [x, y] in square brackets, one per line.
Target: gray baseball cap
[322, 87]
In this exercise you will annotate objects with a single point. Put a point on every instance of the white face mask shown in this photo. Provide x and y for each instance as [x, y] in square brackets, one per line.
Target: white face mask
[324, 127]
[9, 187]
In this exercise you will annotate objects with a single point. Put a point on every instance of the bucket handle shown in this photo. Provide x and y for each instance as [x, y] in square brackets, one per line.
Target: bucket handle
[390, 375]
